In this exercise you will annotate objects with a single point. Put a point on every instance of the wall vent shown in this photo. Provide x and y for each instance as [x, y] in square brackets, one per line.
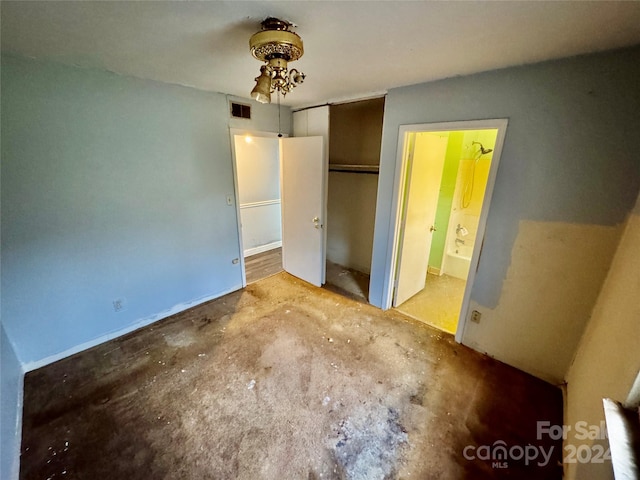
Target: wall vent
[240, 110]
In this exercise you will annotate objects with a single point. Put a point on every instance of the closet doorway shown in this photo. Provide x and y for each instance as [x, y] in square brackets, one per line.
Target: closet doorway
[353, 133]
[355, 136]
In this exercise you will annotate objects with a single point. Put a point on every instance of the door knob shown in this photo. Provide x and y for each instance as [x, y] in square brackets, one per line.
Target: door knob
[316, 222]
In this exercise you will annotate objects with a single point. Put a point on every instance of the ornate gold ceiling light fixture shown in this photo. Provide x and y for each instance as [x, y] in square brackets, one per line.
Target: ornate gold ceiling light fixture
[276, 45]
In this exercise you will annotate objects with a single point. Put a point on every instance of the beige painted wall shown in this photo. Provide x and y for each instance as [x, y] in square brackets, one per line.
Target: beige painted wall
[350, 219]
[355, 135]
[608, 357]
[356, 131]
[556, 272]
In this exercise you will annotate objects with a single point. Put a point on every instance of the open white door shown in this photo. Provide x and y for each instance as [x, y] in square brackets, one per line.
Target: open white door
[424, 174]
[303, 170]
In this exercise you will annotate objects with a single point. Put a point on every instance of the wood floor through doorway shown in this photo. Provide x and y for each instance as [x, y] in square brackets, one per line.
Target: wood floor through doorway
[263, 265]
[283, 380]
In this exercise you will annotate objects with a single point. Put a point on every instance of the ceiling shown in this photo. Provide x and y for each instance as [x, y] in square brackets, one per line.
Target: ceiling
[353, 49]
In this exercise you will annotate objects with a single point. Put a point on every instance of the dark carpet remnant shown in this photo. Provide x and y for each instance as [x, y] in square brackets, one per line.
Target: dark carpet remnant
[281, 380]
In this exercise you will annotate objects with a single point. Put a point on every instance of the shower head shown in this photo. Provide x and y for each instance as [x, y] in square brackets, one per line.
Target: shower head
[482, 149]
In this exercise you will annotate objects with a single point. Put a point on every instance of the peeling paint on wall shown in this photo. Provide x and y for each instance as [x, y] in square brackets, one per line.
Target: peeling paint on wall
[567, 160]
[551, 286]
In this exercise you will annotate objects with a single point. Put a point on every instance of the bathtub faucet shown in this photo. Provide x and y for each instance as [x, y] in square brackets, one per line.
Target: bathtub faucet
[459, 242]
[462, 231]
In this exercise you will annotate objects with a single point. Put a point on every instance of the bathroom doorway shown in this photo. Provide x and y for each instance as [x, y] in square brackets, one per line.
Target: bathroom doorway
[447, 179]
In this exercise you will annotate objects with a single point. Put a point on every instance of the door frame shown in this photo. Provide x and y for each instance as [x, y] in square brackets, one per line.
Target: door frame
[398, 195]
[253, 133]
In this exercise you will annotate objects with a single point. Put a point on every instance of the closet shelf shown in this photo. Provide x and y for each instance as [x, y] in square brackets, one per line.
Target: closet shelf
[349, 168]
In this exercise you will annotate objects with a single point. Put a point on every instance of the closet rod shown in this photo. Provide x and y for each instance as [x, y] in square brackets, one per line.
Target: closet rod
[348, 168]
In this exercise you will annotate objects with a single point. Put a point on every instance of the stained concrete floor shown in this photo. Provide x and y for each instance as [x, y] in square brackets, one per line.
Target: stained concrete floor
[347, 282]
[281, 381]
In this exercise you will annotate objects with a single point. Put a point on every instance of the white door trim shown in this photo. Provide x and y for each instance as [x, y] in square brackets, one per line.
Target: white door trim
[399, 182]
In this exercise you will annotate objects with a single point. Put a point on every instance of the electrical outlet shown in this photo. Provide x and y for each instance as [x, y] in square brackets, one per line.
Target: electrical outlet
[119, 304]
[475, 316]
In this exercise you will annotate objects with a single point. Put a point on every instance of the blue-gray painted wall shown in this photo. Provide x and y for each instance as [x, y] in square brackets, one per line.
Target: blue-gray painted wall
[11, 379]
[112, 188]
[570, 153]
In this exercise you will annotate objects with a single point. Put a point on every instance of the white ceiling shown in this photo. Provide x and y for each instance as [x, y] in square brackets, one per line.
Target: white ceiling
[352, 49]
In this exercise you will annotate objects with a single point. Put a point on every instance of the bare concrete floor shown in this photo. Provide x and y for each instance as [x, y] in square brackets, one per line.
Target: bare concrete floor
[283, 381]
[347, 282]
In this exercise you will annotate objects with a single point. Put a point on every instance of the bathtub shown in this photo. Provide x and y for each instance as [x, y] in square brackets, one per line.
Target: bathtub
[457, 255]
[457, 260]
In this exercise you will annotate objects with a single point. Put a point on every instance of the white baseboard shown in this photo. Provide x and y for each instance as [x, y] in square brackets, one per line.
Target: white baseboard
[434, 271]
[262, 248]
[14, 472]
[27, 367]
